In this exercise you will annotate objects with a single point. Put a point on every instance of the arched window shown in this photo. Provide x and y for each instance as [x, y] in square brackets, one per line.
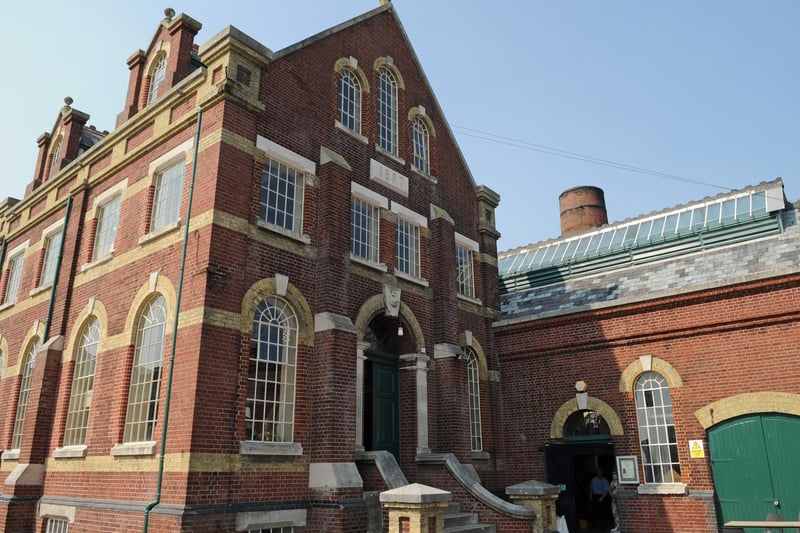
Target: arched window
[148, 361]
[350, 100]
[387, 111]
[55, 158]
[80, 400]
[269, 415]
[421, 142]
[656, 429]
[157, 77]
[28, 364]
[474, 384]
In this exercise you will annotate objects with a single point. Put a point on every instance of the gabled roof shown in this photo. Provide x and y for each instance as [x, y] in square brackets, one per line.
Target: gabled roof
[724, 219]
[389, 8]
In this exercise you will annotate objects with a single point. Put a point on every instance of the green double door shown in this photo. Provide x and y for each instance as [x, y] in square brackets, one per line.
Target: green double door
[755, 461]
[382, 405]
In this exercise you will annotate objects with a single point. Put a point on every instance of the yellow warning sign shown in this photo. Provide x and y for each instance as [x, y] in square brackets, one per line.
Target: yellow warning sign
[696, 450]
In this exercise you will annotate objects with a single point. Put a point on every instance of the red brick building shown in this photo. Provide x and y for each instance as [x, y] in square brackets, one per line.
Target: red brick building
[663, 347]
[242, 309]
[272, 292]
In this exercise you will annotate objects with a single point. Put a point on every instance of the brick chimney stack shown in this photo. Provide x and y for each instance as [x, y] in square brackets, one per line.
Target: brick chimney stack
[582, 208]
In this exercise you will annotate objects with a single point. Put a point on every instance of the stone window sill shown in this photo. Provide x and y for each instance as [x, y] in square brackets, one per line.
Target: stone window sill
[153, 235]
[354, 134]
[252, 447]
[97, 262]
[263, 224]
[410, 278]
[662, 488]
[70, 452]
[390, 155]
[11, 455]
[134, 448]
[367, 262]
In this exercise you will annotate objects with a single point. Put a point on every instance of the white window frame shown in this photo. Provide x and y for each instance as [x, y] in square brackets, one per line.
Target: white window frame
[57, 525]
[465, 266]
[141, 413]
[279, 521]
[365, 224]
[420, 134]
[168, 196]
[16, 260]
[474, 393]
[303, 169]
[80, 398]
[408, 239]
[55, 156]
[655, 420]
[158, 75]
[387, 110]
[26, 384]
[270, 406]
[51, 242]
[350, 95]
[107, 226]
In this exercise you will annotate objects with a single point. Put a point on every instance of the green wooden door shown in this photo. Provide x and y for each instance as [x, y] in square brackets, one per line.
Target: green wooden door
[385, 408]
[755, 465]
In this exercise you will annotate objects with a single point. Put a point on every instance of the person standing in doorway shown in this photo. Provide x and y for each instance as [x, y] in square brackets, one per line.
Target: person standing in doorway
[599, 495]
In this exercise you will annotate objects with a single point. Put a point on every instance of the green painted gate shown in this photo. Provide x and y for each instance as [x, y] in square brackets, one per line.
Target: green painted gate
[755, 461]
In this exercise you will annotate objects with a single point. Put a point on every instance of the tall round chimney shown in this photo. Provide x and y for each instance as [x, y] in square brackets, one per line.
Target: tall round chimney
[582, 208]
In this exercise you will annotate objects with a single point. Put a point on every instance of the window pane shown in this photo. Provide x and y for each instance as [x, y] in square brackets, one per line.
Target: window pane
[656, 429]
[364, 229]
[421, 146]
[269, 414]
[157, 77]
[387, 111]
[167, 197]
[51, 249]
[408, 248]
[464, 275]
[28, 365]
[350, 101]
[281, 196]
[82, 385]
[14, 275]
[474, 388]
[141, 415]
[107, 221]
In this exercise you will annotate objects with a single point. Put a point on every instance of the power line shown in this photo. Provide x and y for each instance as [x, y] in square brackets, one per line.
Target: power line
[525, 145]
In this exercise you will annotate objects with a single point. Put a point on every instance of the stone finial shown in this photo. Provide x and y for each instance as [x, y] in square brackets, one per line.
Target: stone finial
[169, 13]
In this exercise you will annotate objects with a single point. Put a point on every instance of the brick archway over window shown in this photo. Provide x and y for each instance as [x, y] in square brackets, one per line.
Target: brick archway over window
[594, 404]
[747, 404]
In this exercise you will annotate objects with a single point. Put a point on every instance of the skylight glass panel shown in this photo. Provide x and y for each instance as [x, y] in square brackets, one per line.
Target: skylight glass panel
[517, 260]
[505, 263]
[606, 241]
[759, 205]
[742, 207]
[536, 258]
[594, 243]
[560, 252]
[630, 234]
[582, 245]
[573, 244]
[548, 254]
[699, 217]
[712, 214]
[670, 224]
[619, 236]
[728, 210]
[657, 228]
[684, 221]
[644, 231]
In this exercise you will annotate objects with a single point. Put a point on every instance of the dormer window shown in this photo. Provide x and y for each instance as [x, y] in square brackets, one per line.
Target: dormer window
[157, 77]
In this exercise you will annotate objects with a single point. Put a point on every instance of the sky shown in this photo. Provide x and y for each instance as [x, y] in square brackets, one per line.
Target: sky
[700, 96]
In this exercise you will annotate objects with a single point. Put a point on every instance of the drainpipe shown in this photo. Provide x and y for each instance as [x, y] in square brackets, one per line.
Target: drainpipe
[52, 303]
[3, 254]
[160, 478]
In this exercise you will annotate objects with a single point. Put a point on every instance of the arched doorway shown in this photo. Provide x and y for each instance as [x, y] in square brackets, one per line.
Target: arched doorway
[755, 466]
[386, 339]
[587, 446]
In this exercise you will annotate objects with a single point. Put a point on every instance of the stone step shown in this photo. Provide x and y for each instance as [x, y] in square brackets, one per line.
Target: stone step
[472, 528]
[459, 519]
[457, 522]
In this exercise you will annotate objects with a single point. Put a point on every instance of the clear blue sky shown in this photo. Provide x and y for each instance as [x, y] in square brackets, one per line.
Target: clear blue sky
[703, 90]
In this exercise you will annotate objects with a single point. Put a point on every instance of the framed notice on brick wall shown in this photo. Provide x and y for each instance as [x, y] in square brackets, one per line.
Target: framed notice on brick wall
[628, 469]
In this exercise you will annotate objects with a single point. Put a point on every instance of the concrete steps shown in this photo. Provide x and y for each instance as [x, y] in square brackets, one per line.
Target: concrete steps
[457, 522]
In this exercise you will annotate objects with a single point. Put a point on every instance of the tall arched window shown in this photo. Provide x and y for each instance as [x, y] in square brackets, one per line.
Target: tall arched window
[474, 384]
[28, 364]
[80, 400]
[269, 415]
[157, 77]
[148, 361]
[421, 142]
[387, 111]
[656, 429]
[350, 100]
